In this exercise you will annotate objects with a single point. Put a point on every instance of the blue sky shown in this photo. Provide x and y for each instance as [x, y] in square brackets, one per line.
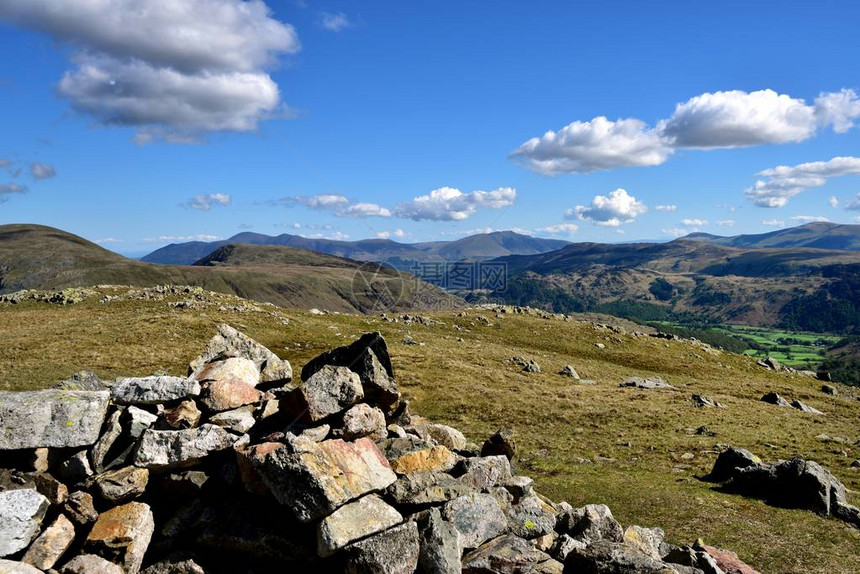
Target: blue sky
[138, 123]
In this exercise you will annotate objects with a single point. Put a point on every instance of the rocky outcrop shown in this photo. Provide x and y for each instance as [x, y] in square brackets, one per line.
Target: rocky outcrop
[794, 483]
[236, 469]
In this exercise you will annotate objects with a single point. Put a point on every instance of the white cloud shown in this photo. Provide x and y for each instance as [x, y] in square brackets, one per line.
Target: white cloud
[726, 222]
[338, 204]
[738, 119]
[784, 182]
[181, 238]
[388, 234]
[42, 170]
[334, 22]
[450, 204]
[809, 219]
[833, 201]
[854, 205]
[600, 144]
[560, 229]
[613, 210]
[773, 222]
[173, 68]
[838, 109]
[107, 240]
[678, 232]
[666, 208]
[206, 201]
[694, 222]
[365, 210]
[725, 119]
[7, 189]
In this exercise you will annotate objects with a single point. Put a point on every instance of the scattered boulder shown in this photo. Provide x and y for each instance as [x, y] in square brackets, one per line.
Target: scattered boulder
[649, 383]
[51, 418]
[21, 515]
[153, 390]
[569, 371]
[701, 401]
[354, 521]
[770, 363]
[730, 461]
[775, 399]
[803, 407]
[829, 390]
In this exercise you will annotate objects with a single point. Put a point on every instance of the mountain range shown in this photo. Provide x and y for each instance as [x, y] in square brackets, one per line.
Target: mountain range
[818, 235]
[38, 257]
[400, 255]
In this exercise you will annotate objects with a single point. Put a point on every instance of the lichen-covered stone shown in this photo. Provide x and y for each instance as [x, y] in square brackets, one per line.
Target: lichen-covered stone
[394, 551]
[364, 420]
[314, 479]
[354, 521]
[122, 485]
[177, 449]
[329, 391]
[122, 535]
[154, 390]
[21, 515]
[51, 418]
[477, 517]
[47, 549]
[229, 342]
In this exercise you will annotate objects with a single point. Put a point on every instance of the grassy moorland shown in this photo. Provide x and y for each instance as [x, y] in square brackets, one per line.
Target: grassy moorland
[637, 451]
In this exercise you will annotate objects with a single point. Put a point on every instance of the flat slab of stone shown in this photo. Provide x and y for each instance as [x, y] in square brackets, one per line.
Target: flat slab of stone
[21, 515]
[51, 418]
[648, 384]
[394, 551]
[168, 449]
[47, 549]
[355, 521]
[154, 390]
[477, 517]
[314, 479]
[122, 535]
[506, 553]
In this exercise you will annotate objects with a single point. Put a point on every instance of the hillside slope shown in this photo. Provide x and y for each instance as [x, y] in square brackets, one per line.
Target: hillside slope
[401, 255]
[818, 235]
[640, 452]
[37, 257]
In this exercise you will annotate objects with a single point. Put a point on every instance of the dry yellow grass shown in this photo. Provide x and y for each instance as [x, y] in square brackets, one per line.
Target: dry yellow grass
[635, 440]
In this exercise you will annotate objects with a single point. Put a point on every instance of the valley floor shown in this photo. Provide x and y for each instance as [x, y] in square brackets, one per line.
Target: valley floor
[637, 451]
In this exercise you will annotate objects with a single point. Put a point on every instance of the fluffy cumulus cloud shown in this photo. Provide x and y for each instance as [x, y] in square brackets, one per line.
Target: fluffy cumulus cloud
[206, 201]
[780, 184]
[726, 119]
[615, 209]
[450, 204]
[559, 229]
[334, 22]
[338, 204]
[582, 147]
[172, 68]
[42, 170]
[666, 208]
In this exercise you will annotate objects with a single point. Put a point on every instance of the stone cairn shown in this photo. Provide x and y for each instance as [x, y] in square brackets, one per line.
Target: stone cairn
[235, 469]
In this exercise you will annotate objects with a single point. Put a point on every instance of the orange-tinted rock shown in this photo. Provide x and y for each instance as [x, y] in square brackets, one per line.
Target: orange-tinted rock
[122, 535]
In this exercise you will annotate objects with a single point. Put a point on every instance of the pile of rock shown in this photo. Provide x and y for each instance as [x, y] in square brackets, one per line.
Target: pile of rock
[777, 399]
[236, 468]
[794, 483]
